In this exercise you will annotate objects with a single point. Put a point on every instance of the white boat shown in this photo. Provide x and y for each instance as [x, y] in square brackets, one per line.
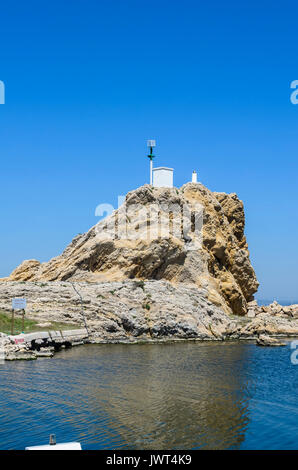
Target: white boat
[54, 446]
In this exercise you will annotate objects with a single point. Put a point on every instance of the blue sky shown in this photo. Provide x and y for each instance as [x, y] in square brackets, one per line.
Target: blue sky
[87, 82]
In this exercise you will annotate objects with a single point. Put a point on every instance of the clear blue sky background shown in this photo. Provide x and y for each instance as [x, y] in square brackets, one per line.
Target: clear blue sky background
[87, 82]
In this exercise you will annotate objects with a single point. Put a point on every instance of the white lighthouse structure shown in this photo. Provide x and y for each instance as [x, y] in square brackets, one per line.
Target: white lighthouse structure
[194, 178]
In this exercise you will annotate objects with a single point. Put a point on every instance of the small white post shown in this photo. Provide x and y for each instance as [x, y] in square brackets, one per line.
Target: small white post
[151, 172]
[194, 177]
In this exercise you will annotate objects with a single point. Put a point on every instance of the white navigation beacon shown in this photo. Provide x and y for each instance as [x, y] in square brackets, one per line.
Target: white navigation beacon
[151, 143]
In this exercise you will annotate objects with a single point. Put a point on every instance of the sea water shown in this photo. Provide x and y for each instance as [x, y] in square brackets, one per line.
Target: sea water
[191, 395]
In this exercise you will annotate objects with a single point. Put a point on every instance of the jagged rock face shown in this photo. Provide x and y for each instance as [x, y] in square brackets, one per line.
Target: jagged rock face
[134, 310]
[160, 234]
[275, 309]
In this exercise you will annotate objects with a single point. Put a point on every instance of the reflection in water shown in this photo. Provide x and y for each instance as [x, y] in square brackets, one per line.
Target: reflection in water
[161, 396]
[177, 396]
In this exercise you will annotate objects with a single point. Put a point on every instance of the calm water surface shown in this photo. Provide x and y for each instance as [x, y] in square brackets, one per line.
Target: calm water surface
[161, 396]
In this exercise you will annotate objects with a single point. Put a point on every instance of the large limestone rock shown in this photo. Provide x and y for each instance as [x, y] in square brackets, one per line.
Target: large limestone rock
[132, 243]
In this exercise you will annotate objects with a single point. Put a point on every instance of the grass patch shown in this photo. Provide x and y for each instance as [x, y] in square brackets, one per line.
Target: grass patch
[30, 325]
[240, 319]
[140, 284]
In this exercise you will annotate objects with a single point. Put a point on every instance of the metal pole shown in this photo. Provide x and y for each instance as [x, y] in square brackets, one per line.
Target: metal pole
[82, 311]
[151, 156]
[12, 321]
[23, 320]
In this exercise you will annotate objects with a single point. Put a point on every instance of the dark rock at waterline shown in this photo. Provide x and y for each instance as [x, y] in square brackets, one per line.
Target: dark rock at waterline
[264, 340]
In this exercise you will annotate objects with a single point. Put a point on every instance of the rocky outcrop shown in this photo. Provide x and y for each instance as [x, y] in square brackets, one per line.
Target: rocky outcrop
[276, 310]
[264, 340]
[11, 351]
[123, 311]
[131, 311]
[132, 243]
[169, 264]
[40, 344]
[135, 310]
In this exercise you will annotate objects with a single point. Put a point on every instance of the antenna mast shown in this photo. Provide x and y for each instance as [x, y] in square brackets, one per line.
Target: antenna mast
[151, 144]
